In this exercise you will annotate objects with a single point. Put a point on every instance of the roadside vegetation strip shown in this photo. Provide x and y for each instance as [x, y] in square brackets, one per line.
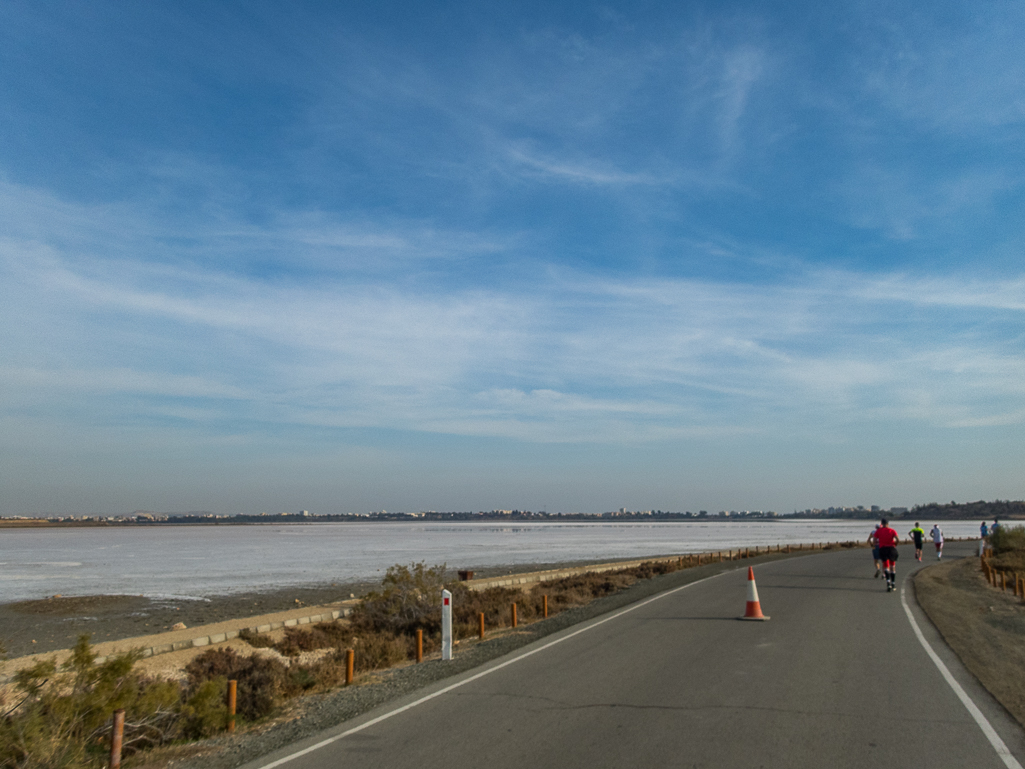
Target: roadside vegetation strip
[62, 713]
[1003, 559]
[983, 625]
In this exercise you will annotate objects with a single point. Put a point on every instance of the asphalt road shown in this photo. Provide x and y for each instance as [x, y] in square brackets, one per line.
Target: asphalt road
[836, 678]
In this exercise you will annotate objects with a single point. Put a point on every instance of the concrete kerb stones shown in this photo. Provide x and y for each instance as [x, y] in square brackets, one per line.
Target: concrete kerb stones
[207, 640]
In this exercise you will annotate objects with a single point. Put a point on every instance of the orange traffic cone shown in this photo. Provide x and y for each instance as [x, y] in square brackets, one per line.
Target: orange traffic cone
[754, 606]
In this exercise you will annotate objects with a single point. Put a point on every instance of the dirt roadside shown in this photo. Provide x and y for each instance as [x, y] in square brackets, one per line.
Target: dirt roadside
[983, 625]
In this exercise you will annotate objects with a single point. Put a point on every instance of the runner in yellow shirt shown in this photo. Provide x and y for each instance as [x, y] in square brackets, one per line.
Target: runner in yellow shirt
[917, 534]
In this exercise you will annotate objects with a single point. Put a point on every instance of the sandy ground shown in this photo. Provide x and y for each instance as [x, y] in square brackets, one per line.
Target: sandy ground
[983, 625]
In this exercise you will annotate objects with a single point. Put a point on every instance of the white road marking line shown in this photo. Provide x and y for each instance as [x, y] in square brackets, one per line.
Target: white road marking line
[994, 739]
[489, 671]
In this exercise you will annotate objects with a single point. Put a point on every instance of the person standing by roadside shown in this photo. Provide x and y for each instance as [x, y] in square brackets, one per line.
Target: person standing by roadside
[937, 539]
[875, 551]
[918, 535]
[983, 530]
[888, 539]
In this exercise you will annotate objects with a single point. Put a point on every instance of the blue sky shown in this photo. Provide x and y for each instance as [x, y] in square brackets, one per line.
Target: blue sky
[406, 256]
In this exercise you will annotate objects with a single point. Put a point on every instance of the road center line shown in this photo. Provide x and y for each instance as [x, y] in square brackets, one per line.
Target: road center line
[489, 671]
[994, 739]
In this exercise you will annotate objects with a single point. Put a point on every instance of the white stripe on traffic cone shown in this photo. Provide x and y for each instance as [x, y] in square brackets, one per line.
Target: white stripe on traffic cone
[754, 606]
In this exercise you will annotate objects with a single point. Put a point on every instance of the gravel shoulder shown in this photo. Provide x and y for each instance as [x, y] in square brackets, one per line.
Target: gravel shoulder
[983, 625]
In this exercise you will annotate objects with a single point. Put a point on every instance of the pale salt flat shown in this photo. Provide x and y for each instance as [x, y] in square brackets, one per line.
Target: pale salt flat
[197, 561]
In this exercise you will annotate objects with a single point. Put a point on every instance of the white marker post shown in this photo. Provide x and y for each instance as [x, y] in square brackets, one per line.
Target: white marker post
[446, 625]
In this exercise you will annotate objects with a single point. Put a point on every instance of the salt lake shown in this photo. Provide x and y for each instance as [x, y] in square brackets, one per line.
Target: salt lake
[203, 560]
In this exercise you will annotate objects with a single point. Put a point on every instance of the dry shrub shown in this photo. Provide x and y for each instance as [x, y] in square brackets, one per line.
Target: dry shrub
[494, 603]
[329, 670]
[577, 590]
[431, 641]
[1009, 562]
[212, 664]
[379, 651]
[581, 589]
[1008, 545]
[409, 599]
[303, 678]
[1007, 539]
[262, 682]
[372, 651]
[330, 635]
[256, 640]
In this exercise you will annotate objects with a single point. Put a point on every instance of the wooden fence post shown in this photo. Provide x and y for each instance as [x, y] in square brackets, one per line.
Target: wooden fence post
[544, 605]
[350, 664]
[419, 644]
[232, 695]
[117, 734]
[514, 615]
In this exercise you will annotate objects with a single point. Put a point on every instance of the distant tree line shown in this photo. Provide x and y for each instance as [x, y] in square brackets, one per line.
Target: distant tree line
[998, 508]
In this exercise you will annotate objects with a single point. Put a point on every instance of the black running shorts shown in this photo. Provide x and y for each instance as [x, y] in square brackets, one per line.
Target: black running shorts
[888, 554]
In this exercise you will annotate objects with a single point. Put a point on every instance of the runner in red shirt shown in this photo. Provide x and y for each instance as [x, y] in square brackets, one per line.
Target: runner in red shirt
[888, 539]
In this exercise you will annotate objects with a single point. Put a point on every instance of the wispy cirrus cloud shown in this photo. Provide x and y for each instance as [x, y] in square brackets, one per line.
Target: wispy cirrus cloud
[958, 70]
[571, 357]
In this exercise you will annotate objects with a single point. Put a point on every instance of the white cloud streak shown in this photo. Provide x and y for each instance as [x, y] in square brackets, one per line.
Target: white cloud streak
[572, 357]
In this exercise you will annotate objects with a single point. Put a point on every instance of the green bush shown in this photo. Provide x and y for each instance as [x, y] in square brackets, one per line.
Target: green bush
[63, 716]
[205, 712]
[1007, 539]
[1008, 545]
[263, 683]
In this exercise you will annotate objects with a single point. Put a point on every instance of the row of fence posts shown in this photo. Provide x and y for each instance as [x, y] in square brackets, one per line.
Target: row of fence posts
[117, 728]
[999, 578]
